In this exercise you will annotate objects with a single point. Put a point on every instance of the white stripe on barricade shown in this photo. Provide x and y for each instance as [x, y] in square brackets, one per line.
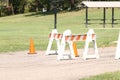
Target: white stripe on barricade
[67, 37]
[53, 36]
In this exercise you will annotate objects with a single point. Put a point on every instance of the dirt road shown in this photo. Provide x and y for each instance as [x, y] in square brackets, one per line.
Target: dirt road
[21, 66]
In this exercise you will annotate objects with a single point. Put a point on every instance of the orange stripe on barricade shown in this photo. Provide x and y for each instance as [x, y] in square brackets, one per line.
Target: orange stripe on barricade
[56, 36]
[59, 36]
[72, 37]
[78, 37]
[49, 35]
[93, 36]
[66, 38]
[84, 37]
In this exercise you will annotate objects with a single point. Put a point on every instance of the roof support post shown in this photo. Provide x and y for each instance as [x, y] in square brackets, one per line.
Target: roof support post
[54, 3]
[112, 17]
[104, 17]
[55, 18]
[86, 17]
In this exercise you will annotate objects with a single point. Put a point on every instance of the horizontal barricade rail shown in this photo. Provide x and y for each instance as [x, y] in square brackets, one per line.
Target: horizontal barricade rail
[78, 37]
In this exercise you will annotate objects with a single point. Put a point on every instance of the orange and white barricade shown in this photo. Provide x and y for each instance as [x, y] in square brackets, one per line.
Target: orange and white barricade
[53, 36]
[67, 37]
[117, 54]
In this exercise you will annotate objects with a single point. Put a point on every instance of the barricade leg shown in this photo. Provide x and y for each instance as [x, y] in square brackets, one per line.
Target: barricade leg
[61, 51]
[49, 51]
[95, 49]
[85, 50]
[58, 44]
[49, 47]
[71, 49]
[85, 53]
[117, 54]
[89, 39]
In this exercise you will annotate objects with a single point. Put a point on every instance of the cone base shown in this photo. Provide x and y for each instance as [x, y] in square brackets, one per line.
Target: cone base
[32, 53]
[77, 56]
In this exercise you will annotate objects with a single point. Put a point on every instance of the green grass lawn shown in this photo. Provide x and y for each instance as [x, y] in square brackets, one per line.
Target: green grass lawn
[105, 76]
[16, 31]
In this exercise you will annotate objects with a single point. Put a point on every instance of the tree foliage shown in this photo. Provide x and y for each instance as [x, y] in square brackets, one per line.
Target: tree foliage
[11, 7]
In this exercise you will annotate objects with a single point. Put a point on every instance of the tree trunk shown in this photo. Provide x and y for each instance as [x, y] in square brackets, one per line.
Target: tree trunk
[7, 3]
[72, 4]
[12, 9]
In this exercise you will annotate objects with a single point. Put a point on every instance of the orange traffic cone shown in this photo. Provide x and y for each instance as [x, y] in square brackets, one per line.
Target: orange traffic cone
[32, 49]
[75, 50]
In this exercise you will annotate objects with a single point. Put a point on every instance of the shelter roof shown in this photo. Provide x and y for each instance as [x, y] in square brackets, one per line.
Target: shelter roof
[102, 4]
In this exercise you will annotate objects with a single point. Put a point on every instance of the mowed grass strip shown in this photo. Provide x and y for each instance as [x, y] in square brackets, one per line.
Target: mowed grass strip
[16, 31]
[105, 76]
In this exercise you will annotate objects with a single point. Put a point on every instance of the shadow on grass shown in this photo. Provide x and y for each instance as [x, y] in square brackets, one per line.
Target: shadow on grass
[39, 14]
[101, 22]
[47, 13]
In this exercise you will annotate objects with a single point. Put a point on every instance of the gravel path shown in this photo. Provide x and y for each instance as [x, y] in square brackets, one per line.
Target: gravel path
[21, 66]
